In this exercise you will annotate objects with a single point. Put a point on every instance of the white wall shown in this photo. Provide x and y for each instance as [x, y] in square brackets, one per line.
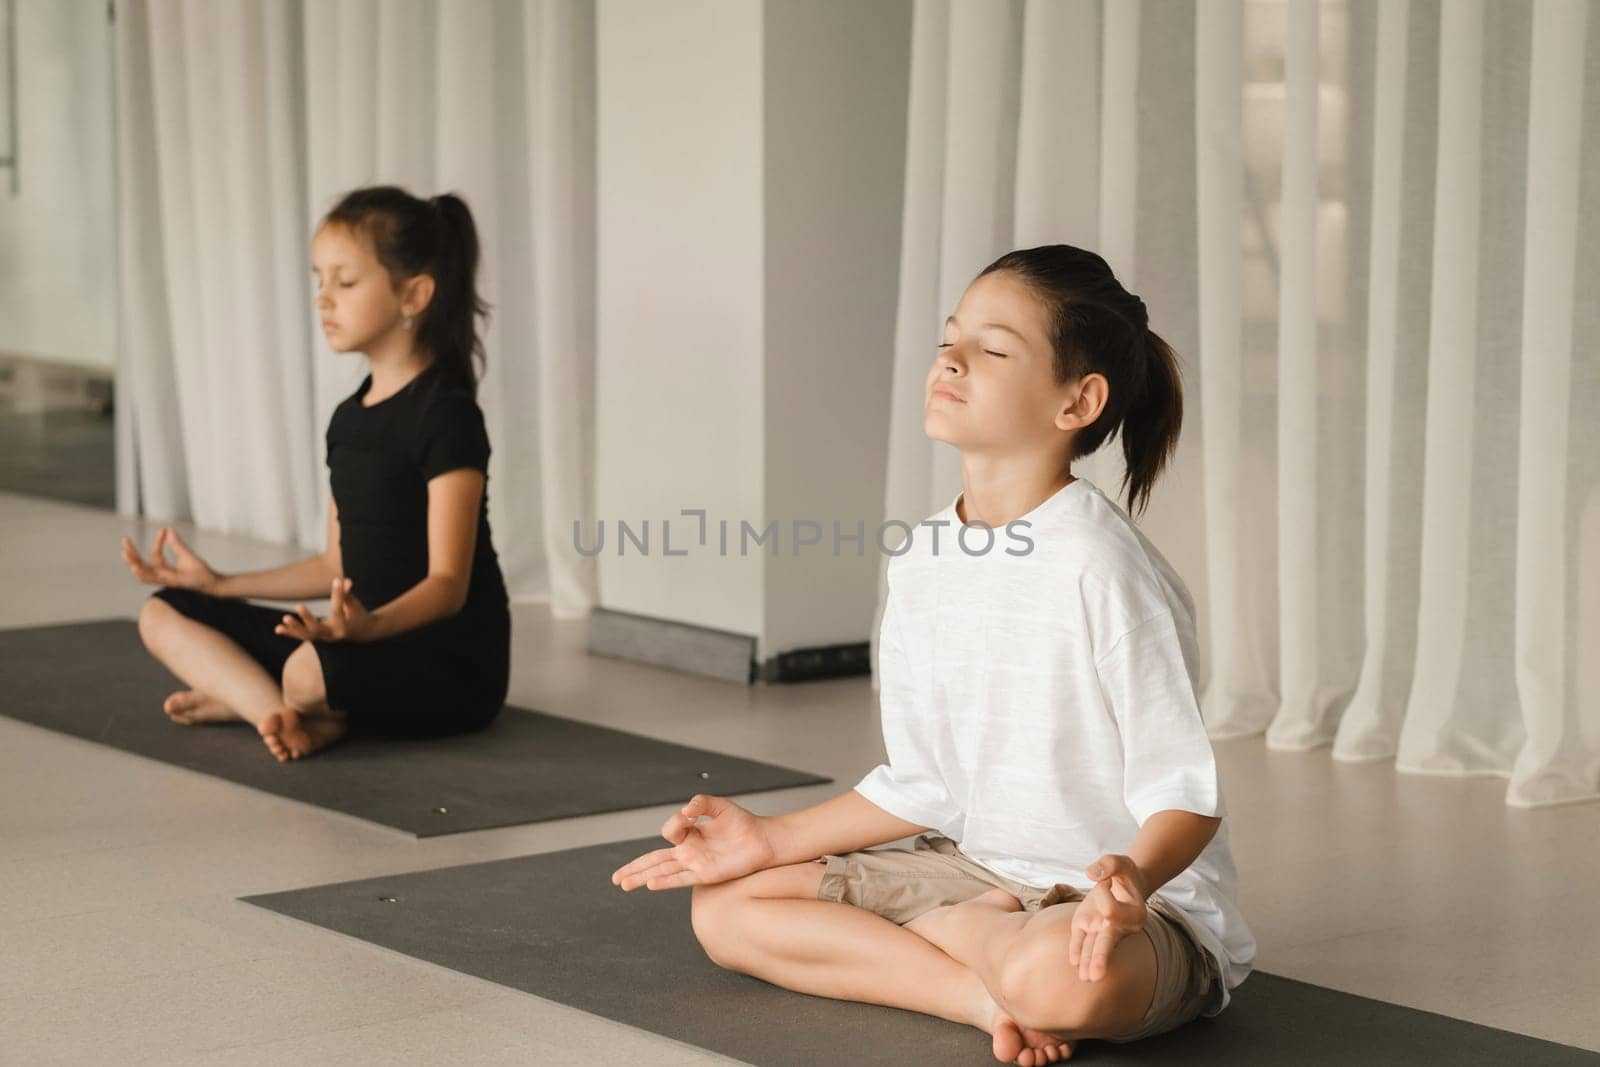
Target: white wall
[838, 74]
[678, 380]
[750, 160]
[57, 251]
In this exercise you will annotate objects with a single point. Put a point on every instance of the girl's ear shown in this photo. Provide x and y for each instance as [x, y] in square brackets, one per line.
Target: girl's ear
[1089, 399]
[418, 294]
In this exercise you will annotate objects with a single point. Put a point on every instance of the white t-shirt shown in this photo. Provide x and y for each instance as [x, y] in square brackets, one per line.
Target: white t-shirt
[1039, 703]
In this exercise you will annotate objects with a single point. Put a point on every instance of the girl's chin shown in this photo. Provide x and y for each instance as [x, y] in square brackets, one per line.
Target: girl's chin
[938, 428]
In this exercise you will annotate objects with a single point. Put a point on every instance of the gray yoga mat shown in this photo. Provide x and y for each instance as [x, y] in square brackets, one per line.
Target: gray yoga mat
[95, 680]
[554, 925]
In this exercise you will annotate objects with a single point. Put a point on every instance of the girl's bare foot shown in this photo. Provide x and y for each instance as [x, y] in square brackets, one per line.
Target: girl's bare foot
[291, 734]
[1012, 1043]
[189, 706]
[1030, 1048]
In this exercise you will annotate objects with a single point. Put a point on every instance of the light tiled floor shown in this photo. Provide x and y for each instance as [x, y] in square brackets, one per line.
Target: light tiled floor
[121, 940]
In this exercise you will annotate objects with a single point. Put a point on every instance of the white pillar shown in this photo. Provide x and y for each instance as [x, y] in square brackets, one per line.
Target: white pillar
[750, 164]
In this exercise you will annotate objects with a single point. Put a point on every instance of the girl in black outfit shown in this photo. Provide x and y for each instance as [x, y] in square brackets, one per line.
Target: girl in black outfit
[416, 639]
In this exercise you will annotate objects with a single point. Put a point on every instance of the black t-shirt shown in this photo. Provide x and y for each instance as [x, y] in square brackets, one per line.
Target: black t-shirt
[380, 459]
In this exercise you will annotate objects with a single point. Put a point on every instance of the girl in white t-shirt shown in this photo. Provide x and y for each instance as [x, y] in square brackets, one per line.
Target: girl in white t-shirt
[1039, 714]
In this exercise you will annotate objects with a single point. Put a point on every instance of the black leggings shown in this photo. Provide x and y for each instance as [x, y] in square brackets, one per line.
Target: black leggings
[447, 677]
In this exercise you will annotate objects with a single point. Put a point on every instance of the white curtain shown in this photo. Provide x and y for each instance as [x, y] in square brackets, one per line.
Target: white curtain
[1372, 232]
[238, 126]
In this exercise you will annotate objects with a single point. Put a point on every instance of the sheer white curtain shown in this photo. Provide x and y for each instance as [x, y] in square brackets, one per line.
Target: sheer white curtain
[1368, 229]
[239, 125]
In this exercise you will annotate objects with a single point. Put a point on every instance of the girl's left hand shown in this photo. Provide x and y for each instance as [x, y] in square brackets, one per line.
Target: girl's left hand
[1114, 909]
[348, 619]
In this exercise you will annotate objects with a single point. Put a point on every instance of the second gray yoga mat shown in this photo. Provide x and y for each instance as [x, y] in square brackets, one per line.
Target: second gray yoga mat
[554, 925]
[95, 680]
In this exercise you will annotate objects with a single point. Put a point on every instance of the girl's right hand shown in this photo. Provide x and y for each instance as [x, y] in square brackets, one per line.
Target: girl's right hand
[190, 572]
[731, 843]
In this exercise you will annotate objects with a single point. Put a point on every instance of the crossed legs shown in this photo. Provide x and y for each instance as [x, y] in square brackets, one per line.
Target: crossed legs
[226, 684]
[984, 962]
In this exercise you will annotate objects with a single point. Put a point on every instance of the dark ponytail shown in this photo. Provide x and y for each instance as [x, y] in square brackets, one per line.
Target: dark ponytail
[1098, 327]
[438, 238]
[1150, 428]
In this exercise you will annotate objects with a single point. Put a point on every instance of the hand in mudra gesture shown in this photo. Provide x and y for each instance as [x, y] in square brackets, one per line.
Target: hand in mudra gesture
[1115, 908]
[189, 572]
[348, 619]
[731, 843]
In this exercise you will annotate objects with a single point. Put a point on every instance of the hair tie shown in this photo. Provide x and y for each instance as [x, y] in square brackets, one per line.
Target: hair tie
[1142, 317]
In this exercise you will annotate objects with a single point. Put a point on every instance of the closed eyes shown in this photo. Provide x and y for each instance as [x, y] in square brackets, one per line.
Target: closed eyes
[991, 351]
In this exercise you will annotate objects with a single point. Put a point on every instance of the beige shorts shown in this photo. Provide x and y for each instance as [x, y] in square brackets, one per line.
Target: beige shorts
[901, 884]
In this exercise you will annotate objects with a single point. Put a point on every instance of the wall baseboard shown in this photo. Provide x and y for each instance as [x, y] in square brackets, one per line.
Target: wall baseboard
[680, 646]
